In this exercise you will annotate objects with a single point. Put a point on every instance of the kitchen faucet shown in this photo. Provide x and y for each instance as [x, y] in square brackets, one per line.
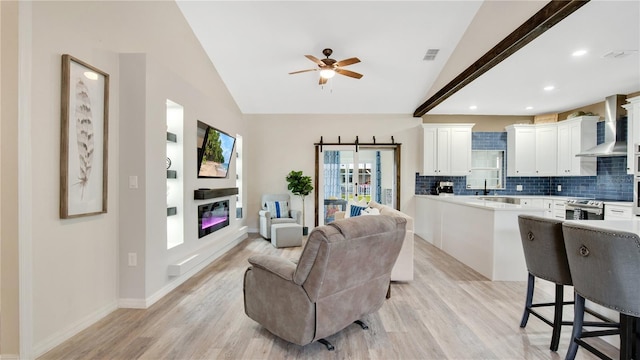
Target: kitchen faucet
[485, 192]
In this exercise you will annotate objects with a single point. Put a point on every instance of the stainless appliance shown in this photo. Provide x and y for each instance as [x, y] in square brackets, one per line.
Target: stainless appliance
[578, 209]
[614, 123]
[444, 188]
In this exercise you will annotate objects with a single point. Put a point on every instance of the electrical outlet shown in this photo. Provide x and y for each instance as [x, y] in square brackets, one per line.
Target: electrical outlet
[133, 259]
[559, 187]
[518, 187]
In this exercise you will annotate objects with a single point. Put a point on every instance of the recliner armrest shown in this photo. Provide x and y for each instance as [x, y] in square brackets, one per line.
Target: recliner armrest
[264, 213]
[273, 264]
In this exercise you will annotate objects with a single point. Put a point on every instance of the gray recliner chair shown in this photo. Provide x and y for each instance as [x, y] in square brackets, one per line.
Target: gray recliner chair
[342, 275]
[267, 218]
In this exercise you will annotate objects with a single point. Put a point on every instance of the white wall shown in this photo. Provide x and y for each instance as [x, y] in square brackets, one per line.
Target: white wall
[278, 144]
[9, 324]
[77, 263]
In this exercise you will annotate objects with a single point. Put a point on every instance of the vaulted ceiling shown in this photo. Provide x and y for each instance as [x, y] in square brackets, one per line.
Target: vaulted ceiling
[255, 44]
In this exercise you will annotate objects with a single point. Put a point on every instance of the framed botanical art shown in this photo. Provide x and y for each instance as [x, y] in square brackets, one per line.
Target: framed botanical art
[83, 139]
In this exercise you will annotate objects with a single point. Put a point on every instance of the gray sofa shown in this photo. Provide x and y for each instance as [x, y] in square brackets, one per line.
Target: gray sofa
[342, 275]
[403, 268]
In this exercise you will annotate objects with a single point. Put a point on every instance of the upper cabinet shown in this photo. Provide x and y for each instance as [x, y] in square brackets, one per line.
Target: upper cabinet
[447, 149]
[546, 149]
[521, 154]
[574, 136]
[633, 132]
[550, 149]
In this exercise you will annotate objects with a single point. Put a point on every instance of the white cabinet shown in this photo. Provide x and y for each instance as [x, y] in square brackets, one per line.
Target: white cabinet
[559, 209]
[533, 203]
[617, 212]
[447, 149]
[521, 154]
[532, 150]
[546, 149]
[548, 208]
[574, 136]
[554, 209]
[633, 131]
[550, 149]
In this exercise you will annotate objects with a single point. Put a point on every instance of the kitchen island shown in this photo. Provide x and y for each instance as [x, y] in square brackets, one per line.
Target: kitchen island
[482, 234]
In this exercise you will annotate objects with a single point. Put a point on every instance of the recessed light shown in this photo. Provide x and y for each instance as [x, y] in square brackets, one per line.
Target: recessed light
[529, 108]
[579, 52]
[473, 107]
[549, 88]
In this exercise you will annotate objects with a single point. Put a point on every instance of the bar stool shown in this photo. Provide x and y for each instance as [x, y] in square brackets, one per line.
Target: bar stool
[546, 258]
[605, 268]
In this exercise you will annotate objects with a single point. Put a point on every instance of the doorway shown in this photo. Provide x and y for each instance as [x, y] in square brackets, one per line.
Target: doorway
[344, 173]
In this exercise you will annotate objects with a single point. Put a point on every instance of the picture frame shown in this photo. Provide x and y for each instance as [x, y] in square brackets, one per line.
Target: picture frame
[84, 135]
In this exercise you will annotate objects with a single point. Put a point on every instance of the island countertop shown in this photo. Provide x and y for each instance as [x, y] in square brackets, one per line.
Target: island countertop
[478, 202]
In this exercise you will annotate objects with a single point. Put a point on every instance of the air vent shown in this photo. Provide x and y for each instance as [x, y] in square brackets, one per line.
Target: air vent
[615, 54]
[431, 55]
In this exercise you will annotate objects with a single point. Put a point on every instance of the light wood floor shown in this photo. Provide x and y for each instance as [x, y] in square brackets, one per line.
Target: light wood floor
[448, 312]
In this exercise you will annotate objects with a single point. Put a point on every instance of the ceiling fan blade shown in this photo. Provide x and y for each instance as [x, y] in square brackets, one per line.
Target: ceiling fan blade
[348, 73]
[322, 81]
[301, 71]
[349, 61]
[314, 59]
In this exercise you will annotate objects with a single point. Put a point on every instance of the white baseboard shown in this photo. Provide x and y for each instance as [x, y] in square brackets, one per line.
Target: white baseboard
[254, 230]
[132, 304]
[9, 357]
[205, 258]
[73, 329]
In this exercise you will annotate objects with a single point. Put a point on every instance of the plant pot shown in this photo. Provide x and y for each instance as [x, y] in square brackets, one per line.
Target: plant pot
[305, 231]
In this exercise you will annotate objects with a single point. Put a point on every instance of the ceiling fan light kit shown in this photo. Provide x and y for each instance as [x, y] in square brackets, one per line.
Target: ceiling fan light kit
[329, 67]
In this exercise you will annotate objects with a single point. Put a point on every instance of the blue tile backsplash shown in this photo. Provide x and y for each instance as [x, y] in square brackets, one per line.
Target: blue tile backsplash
[611, 182]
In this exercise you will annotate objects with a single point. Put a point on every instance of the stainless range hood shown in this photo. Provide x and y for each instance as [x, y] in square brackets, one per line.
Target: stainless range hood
[613, 145]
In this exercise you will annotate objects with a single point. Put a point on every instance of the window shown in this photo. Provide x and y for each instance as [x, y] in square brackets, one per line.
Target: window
[487, 166]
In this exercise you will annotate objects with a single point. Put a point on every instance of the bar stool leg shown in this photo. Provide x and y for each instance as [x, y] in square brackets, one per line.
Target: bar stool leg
[531, 281]
[557, 318]
[578, 319]
[626, 337]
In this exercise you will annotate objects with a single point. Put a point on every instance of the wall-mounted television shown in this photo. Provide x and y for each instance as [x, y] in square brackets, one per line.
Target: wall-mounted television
[215, 151]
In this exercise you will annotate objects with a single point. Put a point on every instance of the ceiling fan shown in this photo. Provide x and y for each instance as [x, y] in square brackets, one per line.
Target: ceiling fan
[329, 67]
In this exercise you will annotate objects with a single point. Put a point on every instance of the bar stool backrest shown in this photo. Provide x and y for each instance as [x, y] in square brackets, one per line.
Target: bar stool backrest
[544, 249]
[605, 266]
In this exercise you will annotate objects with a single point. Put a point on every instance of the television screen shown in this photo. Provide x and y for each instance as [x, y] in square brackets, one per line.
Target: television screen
[215, 151]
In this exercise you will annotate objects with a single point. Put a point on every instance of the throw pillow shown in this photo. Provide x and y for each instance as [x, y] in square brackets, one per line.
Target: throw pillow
[355, 210]
[370, 211]
[361, 204]
[278, 209]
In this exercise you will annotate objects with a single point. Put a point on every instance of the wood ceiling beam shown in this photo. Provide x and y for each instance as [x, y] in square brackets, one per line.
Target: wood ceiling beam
[551, 14]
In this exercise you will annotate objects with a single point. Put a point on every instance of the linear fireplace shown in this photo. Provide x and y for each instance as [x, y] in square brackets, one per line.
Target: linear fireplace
[212, 217]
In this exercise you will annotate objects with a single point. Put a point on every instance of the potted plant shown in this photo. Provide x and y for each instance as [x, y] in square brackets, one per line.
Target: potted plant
[300, 185]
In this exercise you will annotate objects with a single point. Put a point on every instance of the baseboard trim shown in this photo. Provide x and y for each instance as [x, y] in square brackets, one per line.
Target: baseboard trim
[62, 336]
[207, 259]
[9, 357]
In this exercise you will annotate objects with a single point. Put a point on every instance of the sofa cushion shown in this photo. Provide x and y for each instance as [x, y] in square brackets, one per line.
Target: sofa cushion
[359, 205]
[278, 209]
[355, 210]
[370, 211]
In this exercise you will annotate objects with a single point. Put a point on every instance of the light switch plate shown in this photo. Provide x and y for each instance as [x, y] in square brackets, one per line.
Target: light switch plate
[133, 182]
[559, 187]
